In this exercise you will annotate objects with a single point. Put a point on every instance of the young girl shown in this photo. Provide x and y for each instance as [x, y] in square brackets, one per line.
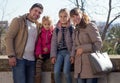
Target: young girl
[43, 45]
[61, 47]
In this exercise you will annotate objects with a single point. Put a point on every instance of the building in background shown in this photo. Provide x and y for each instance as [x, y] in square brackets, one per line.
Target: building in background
[3, 28]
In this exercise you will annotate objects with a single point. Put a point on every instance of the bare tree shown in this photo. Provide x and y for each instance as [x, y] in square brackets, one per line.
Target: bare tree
[82, 5]
[3, 8]
[108, 21]
[79, 4]
[1, 30]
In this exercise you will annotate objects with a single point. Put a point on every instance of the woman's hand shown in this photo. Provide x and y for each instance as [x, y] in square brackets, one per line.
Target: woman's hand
[79, 51]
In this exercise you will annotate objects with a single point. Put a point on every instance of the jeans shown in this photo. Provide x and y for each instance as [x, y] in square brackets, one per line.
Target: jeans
[63, 60]
[89, 80]
[24, 71]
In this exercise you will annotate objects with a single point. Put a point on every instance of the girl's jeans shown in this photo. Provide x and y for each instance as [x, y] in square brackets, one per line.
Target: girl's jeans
[63, 60]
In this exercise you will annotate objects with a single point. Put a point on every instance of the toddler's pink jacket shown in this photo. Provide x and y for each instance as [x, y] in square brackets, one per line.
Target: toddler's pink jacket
[44, 41]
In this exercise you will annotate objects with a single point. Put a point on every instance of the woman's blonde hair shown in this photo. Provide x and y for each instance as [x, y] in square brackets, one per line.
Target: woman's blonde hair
[46, 18]
[85, 18]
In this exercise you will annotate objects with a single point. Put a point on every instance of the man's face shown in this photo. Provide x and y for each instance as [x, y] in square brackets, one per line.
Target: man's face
[35, 13]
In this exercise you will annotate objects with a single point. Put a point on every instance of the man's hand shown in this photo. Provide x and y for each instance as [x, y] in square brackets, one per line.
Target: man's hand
[12, 61]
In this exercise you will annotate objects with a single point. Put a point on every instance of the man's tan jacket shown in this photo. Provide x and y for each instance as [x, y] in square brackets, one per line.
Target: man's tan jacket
[16, 36]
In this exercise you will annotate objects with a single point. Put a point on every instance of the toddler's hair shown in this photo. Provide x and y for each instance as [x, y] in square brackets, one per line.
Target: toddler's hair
[47, 18]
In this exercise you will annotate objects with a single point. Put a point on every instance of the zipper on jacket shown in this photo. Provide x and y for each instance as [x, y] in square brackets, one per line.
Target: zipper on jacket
[46, 37]
[26, 26]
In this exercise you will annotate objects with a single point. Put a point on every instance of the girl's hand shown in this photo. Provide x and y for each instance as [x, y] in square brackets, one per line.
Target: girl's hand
[79, 51]
[53, 60]
[72, 60]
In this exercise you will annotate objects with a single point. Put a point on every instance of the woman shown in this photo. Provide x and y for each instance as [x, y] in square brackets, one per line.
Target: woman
[86, 35]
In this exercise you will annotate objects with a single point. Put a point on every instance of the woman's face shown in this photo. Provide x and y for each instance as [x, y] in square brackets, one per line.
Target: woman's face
[63, 17]
[76, 19]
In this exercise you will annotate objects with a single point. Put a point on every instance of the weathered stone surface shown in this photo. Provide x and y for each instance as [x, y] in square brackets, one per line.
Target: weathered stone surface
[116, 62]
[47, 66]
[48, 74]
[4, 66]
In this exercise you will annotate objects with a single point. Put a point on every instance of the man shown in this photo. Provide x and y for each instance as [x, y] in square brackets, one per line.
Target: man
[20, 42]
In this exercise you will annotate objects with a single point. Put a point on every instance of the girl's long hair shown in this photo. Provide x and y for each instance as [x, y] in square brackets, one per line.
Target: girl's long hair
[85, 19]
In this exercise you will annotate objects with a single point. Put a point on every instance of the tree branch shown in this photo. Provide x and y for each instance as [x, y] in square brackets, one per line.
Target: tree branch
[113, 20]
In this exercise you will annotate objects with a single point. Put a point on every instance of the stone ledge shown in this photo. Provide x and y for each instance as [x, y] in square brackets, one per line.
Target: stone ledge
[47, 66]
[4, 66]
[116, 62]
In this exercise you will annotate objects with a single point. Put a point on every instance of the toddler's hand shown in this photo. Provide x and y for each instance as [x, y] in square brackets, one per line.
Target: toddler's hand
[45, 49]
[40, 56]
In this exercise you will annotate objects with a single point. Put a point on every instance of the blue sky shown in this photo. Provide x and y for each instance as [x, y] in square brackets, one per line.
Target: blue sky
[15, 8]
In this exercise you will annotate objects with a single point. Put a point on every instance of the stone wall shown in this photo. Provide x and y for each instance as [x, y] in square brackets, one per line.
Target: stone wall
[5, 72]
[4, 66]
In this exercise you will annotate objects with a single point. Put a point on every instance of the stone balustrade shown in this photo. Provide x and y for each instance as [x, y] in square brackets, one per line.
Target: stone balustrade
[5, 71]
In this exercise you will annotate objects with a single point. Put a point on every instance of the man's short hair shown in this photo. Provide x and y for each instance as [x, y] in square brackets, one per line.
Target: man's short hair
[37, 5]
